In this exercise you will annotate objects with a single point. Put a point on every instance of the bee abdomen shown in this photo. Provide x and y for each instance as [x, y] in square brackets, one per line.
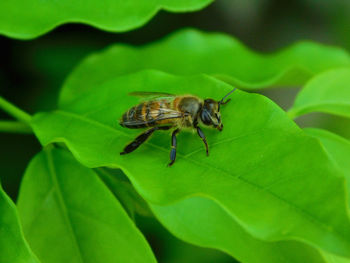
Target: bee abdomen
[147, 114]
[133, 118]
[139, 116]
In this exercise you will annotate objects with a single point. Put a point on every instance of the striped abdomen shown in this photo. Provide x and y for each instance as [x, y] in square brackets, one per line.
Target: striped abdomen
[148, 114]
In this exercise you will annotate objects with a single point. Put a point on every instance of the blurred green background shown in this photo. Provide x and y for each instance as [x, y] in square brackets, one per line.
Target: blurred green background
[32, 72]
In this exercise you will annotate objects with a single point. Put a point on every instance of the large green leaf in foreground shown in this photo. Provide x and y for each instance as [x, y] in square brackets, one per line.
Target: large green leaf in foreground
[69, 215]
[189, 51]
[26, 19]
[218, 230]
[263, 170]
[328, 92]
[13, 246]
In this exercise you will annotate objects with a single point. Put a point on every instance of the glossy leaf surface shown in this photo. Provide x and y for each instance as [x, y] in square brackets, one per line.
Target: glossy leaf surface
[27, 19]
[251, 170]
[218, 230]
[189, 51]
[13, 246]
[328, 92]
[69, 215]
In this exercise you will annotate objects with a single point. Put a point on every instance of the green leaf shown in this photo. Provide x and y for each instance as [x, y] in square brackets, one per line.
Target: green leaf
[261, 169]
[328, 92]
[218, 230]
[122, 189]
[189, 51]
[338, 149]
[13, 246]
[25, 19]
[69, 215]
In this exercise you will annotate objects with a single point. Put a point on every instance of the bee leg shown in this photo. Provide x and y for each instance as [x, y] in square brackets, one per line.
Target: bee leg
[173, 147]
[141, 139]
[201, 134]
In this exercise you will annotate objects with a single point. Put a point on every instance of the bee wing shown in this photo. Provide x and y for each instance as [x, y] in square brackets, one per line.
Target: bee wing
[159, 115]
[151, 95]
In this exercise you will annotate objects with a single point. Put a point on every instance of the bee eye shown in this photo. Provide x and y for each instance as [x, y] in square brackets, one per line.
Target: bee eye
[205, 117]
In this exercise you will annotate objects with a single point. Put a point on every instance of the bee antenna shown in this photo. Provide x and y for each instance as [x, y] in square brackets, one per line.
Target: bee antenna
[228, 94]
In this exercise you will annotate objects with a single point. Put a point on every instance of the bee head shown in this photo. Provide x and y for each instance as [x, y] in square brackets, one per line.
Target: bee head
[210, 114]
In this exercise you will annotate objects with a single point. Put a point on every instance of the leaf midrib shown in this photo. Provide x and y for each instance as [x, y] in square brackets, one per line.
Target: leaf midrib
[299, 211]
[62, 204]
[40, 208]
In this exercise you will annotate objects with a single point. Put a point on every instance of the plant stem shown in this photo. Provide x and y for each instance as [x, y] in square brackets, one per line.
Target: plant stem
[14, 111]
[14, 127]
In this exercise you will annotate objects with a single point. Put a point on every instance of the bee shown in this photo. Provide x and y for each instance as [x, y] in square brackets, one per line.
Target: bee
[164, 111]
